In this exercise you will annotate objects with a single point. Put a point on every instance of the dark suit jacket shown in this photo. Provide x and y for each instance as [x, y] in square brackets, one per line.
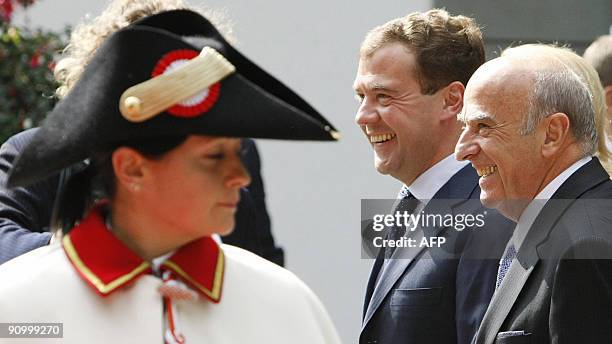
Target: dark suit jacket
[25, 212]
[561, 290]
[423, 297]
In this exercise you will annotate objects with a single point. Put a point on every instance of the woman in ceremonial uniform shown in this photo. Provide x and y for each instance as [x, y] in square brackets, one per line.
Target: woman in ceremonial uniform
[158, 112]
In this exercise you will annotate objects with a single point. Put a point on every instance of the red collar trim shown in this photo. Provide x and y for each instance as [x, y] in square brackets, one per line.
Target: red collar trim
[200, 264]
[106, 264]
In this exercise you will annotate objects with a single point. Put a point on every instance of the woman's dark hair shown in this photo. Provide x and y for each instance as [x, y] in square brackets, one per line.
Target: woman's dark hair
[90, 181]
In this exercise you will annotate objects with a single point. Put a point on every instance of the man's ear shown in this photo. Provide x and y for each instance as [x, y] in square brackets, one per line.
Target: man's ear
[453, 100]
[557, 133]
[128, 166]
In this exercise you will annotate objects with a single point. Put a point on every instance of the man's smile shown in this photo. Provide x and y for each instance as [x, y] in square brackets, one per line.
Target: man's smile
[486, 171]
[380, 138]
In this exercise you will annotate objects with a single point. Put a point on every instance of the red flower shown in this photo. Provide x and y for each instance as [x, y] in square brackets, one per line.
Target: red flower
[6, 10]
[35, 60]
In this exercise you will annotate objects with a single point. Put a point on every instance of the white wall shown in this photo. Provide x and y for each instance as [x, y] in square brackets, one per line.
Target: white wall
[314, 189]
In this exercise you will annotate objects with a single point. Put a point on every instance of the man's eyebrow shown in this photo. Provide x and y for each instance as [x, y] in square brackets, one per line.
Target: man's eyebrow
[379, 87]
[374, 86]
[480, 116]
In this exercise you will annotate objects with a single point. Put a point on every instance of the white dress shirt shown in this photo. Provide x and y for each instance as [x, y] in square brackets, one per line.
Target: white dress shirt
[431, 181]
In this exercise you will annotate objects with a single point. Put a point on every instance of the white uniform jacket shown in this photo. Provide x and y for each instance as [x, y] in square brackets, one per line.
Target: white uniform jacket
[103, 293]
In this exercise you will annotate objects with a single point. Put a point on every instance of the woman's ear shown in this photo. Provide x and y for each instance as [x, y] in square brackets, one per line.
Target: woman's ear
[453, 100]
[129, 166]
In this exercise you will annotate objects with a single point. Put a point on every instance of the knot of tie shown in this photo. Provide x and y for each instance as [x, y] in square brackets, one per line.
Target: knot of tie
[407, 204]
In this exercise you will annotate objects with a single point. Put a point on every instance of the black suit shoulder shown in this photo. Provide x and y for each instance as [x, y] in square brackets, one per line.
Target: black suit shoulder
[586, 220]
[24, 211]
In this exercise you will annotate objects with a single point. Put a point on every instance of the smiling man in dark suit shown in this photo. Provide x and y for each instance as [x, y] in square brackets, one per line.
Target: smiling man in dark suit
[529, 127]
[410, 83]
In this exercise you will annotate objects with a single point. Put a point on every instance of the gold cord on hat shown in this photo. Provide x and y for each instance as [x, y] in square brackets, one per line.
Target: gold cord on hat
[149, 98]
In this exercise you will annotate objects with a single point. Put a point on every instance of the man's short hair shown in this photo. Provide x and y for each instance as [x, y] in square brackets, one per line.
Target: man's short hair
[447, 48]
[561, 90]
[599, 55]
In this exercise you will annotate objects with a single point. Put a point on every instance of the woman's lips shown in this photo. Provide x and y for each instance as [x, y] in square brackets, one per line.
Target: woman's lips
[228, 204]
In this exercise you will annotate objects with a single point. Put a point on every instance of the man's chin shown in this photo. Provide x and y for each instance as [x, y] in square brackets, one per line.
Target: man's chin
[382, 169]
[491, 202]
[510, 209]
[382, 166]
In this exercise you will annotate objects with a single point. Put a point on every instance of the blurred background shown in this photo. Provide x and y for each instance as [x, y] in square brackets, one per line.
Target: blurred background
[313, 189]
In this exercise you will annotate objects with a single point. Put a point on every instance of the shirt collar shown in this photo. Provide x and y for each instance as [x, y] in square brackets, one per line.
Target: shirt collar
[107, 265]
[556, 183]
[532, 210]
[429, 182]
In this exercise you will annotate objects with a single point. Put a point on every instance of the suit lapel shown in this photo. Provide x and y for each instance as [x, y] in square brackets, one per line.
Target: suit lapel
[378, 263]
[527, 258]
[586, 178]
[459, 188]
[504, 298]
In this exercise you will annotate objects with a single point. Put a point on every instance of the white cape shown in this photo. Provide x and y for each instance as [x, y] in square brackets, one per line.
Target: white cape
[260, 303]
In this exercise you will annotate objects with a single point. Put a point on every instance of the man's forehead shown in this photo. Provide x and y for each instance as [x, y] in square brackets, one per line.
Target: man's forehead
[478, 99]
[494, 103]
[383, 80]
[392, 59]
[490, 94]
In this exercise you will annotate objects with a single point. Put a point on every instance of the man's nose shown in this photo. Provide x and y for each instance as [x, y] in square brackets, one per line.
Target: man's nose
[366, 114]
[466, 148]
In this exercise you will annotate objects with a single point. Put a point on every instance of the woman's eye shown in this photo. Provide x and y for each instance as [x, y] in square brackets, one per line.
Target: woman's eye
[482, 126]
[215, 156]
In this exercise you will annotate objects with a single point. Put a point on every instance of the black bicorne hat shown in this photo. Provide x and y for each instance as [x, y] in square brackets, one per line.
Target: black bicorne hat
[169, 74]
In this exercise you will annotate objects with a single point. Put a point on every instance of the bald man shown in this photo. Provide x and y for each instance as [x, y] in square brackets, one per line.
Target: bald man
[529, 123]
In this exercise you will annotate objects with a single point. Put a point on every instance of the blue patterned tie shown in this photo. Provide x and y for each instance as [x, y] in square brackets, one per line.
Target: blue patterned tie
[407, 203]
[504, 264]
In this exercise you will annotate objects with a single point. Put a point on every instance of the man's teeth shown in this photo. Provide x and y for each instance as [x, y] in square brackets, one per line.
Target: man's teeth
[381, 138]
[483, 172]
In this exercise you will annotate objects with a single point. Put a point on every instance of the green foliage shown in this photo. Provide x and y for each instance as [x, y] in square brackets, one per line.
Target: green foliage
[27, 86]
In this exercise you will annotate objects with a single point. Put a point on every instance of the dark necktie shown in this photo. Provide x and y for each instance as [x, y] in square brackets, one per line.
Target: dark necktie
[407, 204]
